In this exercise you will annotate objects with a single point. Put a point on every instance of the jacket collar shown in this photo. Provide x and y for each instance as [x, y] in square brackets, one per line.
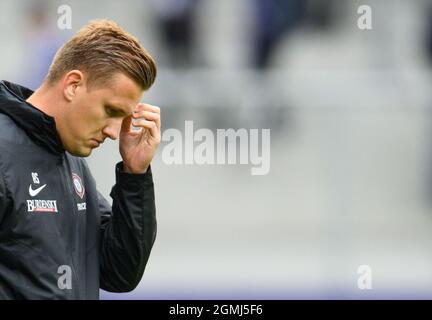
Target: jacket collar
[40, 127]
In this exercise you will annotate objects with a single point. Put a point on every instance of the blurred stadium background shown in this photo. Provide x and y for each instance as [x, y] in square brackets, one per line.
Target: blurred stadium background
[350, 116]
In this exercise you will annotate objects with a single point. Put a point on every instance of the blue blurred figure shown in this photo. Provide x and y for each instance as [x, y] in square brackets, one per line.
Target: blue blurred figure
[176, 19]
[275, 18]
[44, 39]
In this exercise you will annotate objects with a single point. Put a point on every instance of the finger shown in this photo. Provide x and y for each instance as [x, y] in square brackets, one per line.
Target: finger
[147, 107]
[150, 125]
[147, 115]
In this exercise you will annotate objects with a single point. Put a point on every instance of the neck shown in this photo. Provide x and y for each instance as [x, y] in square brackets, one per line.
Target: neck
[44, 99]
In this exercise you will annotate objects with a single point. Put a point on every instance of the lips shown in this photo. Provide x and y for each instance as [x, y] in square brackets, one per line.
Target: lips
[95, 142]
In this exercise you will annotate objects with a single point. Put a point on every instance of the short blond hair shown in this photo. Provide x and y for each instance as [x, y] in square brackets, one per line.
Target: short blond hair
[101, 49]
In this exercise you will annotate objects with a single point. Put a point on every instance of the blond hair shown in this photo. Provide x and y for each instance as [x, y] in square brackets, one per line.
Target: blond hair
[101, 49]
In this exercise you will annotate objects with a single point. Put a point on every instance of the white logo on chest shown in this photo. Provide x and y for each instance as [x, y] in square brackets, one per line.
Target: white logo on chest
[39, 205]
[35, 192]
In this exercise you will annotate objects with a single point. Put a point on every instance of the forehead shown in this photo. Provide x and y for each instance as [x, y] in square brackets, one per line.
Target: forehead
[122, 92]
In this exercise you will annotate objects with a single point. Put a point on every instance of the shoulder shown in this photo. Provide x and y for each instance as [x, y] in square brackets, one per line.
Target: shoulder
[10, 133]
[6, 124]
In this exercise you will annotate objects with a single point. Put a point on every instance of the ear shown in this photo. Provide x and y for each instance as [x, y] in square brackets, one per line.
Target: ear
[72, 82]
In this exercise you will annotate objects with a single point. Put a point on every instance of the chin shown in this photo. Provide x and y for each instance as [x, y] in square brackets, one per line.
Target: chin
[85, 153]
[82, 152]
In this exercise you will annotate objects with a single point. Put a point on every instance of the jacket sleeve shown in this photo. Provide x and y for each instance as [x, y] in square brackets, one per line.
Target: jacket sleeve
[128, 230]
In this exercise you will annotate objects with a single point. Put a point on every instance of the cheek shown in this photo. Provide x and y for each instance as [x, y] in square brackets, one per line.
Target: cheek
[94, 117]
[84, 123]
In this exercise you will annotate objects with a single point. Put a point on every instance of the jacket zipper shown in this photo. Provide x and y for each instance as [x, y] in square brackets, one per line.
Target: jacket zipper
[65, 172]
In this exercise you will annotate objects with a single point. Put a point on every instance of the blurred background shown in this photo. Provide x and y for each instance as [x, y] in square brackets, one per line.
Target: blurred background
[349, 110]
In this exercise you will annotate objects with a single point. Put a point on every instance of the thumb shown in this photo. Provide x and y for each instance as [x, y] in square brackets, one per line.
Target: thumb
[126, 124]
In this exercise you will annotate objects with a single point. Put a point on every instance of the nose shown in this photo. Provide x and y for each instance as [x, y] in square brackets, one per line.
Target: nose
[112, 130]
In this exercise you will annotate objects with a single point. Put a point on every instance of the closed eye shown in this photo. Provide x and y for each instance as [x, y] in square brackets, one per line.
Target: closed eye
[113, 112]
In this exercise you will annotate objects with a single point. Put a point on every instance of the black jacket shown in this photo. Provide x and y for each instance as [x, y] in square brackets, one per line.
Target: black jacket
[59, 238]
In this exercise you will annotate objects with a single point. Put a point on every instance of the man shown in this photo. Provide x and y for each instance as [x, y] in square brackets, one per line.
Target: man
[59, 238]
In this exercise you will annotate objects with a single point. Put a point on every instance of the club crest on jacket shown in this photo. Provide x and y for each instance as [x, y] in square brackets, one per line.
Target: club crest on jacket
[78, 185]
